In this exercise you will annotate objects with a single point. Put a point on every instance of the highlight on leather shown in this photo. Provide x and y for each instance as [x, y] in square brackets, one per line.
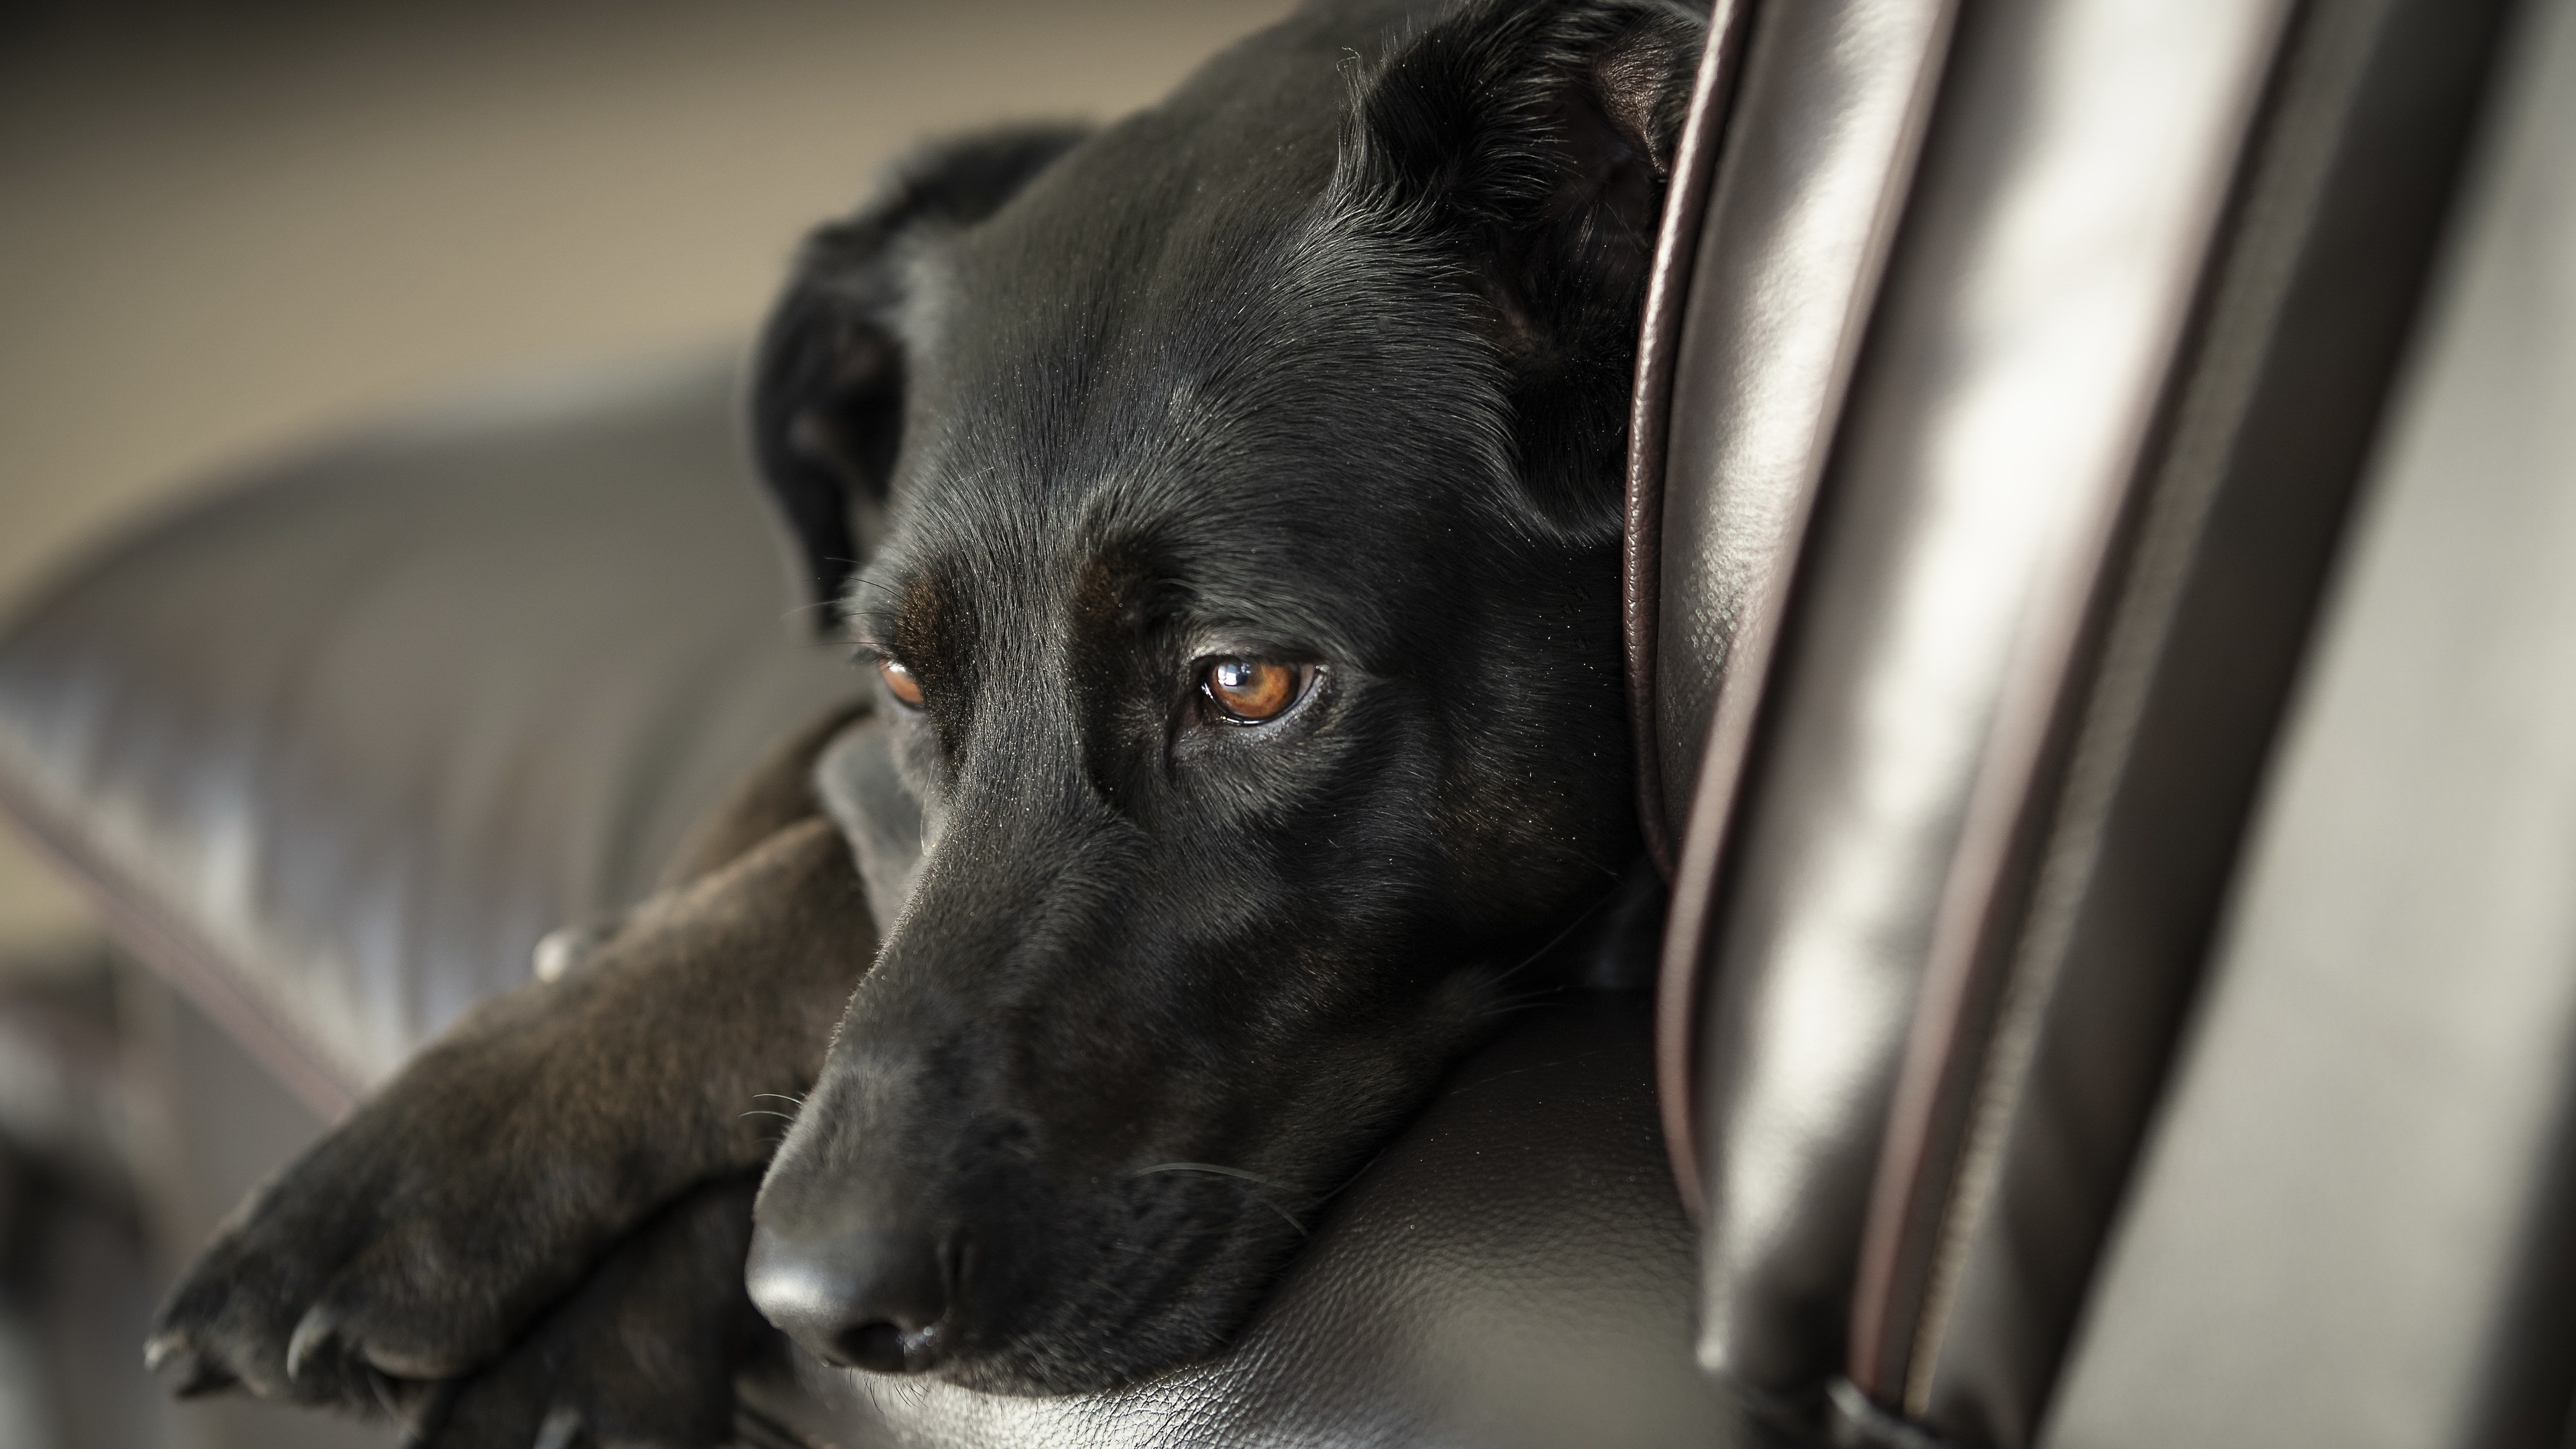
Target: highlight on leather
[1797, 222]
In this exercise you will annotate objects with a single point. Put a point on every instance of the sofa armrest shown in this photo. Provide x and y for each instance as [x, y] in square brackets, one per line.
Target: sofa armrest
[334, 746]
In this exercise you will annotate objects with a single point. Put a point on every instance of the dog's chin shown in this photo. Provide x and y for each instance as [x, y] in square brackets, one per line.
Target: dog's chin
[1122, 1316]
[1053, 1364]
[1045, 1368]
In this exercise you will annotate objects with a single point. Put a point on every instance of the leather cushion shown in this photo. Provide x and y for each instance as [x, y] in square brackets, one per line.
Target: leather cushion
[339, 744]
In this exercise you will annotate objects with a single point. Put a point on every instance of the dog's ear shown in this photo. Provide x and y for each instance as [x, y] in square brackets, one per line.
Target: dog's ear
[1532, 140]
[828, 374]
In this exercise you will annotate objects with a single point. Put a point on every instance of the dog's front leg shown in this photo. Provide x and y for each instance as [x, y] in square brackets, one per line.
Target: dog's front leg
[642, 1352]
[479, 1186]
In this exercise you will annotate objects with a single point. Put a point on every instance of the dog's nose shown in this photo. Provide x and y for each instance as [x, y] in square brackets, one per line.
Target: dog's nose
[864, 1299]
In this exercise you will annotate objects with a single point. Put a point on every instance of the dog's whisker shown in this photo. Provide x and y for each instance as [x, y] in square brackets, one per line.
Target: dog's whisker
[1235, 1172]
[1211, 1167]
[777, 1097]
[765, 1112]
[1556, 940]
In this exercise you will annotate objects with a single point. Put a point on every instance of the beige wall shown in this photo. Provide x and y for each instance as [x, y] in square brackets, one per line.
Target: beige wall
[223, 228]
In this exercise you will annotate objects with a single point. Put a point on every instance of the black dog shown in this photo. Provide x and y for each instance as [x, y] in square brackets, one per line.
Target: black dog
[1239, 489]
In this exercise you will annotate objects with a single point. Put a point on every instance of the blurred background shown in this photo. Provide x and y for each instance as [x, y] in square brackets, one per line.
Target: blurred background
[230, 226]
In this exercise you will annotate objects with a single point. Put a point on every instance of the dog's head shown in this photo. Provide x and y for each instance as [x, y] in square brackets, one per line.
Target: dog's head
[1239, 494]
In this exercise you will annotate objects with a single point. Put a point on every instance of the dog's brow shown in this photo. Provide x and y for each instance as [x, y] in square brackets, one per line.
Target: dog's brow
[919, 621]
[1120, 584]
[877, 608]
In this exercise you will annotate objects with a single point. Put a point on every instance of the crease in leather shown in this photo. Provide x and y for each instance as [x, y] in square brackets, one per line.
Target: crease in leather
[1983, 450]
[1828, 117]
[2306, 320]
[1650, 402]
[2212, 81]
[2354, 1189]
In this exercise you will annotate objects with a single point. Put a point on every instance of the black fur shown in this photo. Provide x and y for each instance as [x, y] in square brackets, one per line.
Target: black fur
[827, 390]
[1320, 363]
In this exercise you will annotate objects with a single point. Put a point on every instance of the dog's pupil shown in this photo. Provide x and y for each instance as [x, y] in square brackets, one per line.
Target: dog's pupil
[1250, 688]
[900, 682]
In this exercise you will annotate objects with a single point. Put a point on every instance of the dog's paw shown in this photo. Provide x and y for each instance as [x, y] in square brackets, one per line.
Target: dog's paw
[412, 1244]
[641, 1353]
[421, 1238]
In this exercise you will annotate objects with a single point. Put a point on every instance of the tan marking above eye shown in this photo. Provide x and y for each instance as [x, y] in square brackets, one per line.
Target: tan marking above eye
[1250, 691]
[900, 682]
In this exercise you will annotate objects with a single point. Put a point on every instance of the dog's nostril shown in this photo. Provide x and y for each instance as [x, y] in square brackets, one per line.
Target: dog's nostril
[864, 1299]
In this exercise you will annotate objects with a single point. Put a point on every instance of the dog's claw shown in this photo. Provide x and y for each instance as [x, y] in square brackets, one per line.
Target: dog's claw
[562, 1429]
[189, 1373]
[315, 1332]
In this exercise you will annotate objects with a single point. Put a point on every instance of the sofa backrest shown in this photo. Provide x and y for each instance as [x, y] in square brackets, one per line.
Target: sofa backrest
[2028, 360]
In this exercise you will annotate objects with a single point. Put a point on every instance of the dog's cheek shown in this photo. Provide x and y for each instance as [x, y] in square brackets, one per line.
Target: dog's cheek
[1525, 833]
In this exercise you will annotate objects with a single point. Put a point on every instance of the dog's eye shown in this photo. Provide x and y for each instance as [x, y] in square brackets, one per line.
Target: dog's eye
[1249, 691]
[900, 682]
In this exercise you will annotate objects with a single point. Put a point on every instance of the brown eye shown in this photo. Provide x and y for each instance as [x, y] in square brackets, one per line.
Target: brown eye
[901, 683]
[1249, 691]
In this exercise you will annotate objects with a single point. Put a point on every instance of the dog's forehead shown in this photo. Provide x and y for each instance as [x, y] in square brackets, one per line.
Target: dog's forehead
[1195, 380]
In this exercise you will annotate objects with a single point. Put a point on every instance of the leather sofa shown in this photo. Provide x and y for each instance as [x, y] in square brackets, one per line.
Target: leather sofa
[2102, 589]
[338, 747]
